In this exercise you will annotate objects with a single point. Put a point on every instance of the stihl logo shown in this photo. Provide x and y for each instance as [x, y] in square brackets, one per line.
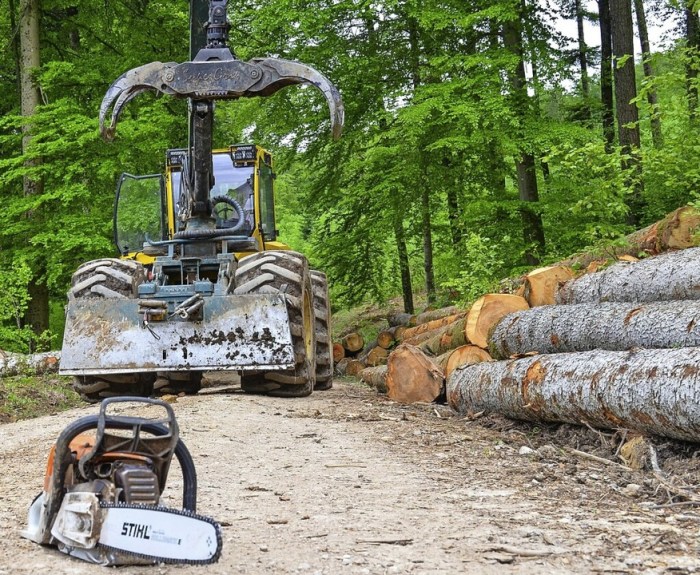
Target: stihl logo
[135, 530]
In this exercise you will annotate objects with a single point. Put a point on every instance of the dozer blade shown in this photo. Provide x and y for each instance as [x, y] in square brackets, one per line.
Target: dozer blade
[236, 332]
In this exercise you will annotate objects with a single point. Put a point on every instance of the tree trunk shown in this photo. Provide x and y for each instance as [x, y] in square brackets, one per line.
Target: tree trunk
[37, 314]
[614, 326]
[427, 242]
[533, 230]
[668, 276]
[657, 137]
[692, 38]
[375, 377]
[404, 268]
[541, 285]
[651, 391]
[353, 367]
[487, 311]
[625, 94]
[582, 54]
[606, 74]
[412, 377]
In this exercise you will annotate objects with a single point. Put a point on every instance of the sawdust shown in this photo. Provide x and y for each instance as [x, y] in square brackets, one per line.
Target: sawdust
[347, 482]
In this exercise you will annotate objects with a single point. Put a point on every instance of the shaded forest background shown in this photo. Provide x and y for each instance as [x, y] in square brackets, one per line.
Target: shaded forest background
[479, 140]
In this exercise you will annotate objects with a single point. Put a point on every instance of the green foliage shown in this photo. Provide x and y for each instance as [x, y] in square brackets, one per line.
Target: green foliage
[430, 102]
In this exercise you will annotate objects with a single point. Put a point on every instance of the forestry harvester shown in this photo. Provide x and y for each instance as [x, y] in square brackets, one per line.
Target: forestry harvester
[202, 283]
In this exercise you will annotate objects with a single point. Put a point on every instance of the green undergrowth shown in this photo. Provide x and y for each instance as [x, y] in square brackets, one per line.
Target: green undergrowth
[369, 319]
[27, 396]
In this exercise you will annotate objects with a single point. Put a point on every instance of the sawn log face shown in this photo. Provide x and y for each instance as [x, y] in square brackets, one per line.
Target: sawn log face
[652, 391]
[584, 327]
[669, 276]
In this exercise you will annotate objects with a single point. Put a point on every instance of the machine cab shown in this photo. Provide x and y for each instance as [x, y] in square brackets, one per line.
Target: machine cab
[148, 208]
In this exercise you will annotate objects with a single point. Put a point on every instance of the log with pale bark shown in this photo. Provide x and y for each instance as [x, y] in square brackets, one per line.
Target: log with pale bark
[678, 230]
[463, 355]
[583, 327]
[36, 363]
[487, 311]
[375, 377]
[669, 276]
[540, 286]
[353, 342]
[412, 376]
[651, 391]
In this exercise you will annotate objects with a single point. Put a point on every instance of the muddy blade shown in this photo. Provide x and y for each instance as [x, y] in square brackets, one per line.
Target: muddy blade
[236, 332]
[160, 534]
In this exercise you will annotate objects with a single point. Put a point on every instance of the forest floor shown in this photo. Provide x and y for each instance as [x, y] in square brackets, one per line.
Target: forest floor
[346, 481]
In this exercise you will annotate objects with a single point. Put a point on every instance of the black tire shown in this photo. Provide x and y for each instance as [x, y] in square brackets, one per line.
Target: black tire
[286, 272]
[109, 278]
[176, 382]
[324, 346]
[95, 388]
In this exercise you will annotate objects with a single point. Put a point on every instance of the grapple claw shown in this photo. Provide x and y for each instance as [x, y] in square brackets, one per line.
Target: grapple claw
[128, 86]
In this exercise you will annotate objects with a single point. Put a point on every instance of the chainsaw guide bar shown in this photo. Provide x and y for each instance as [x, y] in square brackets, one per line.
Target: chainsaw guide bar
[160, 534]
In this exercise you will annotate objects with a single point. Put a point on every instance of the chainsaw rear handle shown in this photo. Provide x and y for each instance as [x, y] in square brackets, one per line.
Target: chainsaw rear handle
[62, 457]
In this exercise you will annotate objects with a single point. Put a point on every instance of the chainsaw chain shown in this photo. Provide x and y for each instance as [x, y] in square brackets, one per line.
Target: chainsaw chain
[167, 560]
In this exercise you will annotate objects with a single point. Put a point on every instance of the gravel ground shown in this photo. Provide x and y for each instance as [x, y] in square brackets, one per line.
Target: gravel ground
[348, 482]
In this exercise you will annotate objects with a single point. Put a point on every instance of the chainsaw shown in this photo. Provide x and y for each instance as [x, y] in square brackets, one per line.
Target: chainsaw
[104, 479]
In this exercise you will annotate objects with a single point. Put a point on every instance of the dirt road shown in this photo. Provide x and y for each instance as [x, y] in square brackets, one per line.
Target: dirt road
[348, 482]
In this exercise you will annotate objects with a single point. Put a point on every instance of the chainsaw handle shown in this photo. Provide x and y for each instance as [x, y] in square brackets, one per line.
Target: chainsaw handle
[62, 459]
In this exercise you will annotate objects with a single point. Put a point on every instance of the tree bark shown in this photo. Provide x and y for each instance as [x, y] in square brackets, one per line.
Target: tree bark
[657, 137]
[412, 377]
[582, 53]
[432, 314]
[375, 377]
[432, 325]
[606, 74]
[627, 112]
[37, 314]
[533, 230]
[692, 38]
[487, 311]
[614, 326]
[396, 319]
[446, 338]
[404, 267]
[20, 364]
[541, 285]
[668, 276]
[651, 391]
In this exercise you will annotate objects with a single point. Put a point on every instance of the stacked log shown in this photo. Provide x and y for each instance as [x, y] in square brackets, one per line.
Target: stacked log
[621, 349]
[412, 376]
[653, 391]
[611, 326]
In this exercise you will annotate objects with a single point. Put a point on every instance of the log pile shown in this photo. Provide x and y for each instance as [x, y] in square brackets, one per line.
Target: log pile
[619, 348]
